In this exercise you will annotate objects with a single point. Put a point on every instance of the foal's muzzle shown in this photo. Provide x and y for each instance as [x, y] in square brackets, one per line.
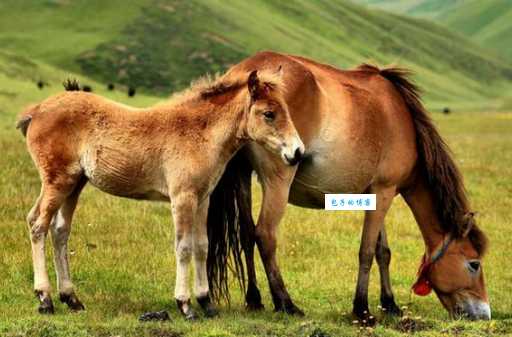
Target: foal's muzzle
[295, 159]
[293, 153]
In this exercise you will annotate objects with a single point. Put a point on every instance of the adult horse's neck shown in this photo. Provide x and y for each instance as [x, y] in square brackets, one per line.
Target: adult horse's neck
[421, 201]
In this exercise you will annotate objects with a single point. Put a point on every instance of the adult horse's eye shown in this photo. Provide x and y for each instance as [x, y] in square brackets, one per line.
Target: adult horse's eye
[269, 116]
[473, 266]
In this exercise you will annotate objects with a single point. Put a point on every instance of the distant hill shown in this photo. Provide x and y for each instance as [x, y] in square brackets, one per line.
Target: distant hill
[160, 46]
[419, 8]
[488, 22]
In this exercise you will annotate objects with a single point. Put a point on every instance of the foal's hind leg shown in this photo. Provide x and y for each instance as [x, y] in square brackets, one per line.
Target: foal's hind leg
[373, 223]
[39, 220]
[60, 230]
[383, 257]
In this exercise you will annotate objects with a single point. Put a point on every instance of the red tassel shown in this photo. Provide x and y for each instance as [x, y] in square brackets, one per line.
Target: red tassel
[422, 287]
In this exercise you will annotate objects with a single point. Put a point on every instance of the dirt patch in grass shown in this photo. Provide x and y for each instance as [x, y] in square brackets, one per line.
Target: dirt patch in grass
[410, 325]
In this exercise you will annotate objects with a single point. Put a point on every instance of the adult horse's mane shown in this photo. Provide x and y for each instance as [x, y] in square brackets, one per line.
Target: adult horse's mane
[435, 160]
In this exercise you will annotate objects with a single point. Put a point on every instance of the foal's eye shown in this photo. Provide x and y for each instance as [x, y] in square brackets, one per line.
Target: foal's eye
[473, 266]
[269, 116]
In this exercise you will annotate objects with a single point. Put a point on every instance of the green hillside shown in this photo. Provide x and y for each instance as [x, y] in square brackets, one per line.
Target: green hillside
[488, 22]
[160, 46]
[419, 8]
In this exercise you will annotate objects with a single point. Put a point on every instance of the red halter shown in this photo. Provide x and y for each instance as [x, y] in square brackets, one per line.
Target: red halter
[422, 286]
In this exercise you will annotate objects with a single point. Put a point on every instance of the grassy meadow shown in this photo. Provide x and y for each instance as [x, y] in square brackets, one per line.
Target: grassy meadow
[123, 265]
[121, 253]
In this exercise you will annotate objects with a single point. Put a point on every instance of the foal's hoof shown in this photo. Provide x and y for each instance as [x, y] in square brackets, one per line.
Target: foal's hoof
[290, 309]
[72, 301]
[208, 307]
[186, 310]
[45, 303]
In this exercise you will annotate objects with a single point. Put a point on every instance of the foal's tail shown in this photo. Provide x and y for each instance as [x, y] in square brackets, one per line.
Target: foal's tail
[436, 161]
[25, 118]
[228, 215]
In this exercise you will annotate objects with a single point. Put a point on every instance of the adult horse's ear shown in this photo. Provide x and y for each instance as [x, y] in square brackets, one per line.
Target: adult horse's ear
[253, 84]
[469, 222]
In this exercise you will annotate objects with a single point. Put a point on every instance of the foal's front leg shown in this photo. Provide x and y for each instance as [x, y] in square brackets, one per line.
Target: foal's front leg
[200, 242]
[184, 206]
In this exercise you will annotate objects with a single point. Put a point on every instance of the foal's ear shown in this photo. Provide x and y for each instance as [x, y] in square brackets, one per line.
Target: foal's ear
[253, 84]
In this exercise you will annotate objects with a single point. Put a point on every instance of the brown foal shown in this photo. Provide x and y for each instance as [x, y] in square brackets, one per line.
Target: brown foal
[175, 151]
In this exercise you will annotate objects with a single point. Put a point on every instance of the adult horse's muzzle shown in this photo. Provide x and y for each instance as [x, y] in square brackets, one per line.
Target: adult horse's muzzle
[292, 155]
[473, 310]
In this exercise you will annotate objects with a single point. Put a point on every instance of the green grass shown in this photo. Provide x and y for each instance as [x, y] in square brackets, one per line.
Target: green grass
[122, 262]
[160, 45]
[131, 269]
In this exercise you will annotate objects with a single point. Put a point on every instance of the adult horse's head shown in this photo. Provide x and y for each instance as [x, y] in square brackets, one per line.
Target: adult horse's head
[268, 120]
[454, 271]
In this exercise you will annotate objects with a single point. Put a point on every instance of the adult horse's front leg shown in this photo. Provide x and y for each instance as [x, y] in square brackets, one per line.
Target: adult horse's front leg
[383, 258]
[373, 223]
[184, 207]
[275, 198]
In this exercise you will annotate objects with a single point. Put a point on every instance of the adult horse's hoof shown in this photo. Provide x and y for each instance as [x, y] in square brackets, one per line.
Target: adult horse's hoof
[291, 309]
[186, 310]
[365, 318]
[72, 302]
[208, 307]
[253, 299]
[389, 307]
[45, 303]
[254, 306]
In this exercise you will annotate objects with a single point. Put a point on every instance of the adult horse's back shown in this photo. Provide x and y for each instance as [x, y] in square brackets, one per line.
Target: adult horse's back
[365, 131]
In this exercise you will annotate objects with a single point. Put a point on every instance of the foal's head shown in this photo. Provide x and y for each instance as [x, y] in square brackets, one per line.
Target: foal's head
[269, 122]
[454, 270]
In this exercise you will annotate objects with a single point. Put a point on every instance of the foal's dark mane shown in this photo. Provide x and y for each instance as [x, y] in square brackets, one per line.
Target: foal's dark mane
[436, 163]
[220, 88]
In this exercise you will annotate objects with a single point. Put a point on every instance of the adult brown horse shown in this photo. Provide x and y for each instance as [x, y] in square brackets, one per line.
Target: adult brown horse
[365, 131]
[175, 151]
